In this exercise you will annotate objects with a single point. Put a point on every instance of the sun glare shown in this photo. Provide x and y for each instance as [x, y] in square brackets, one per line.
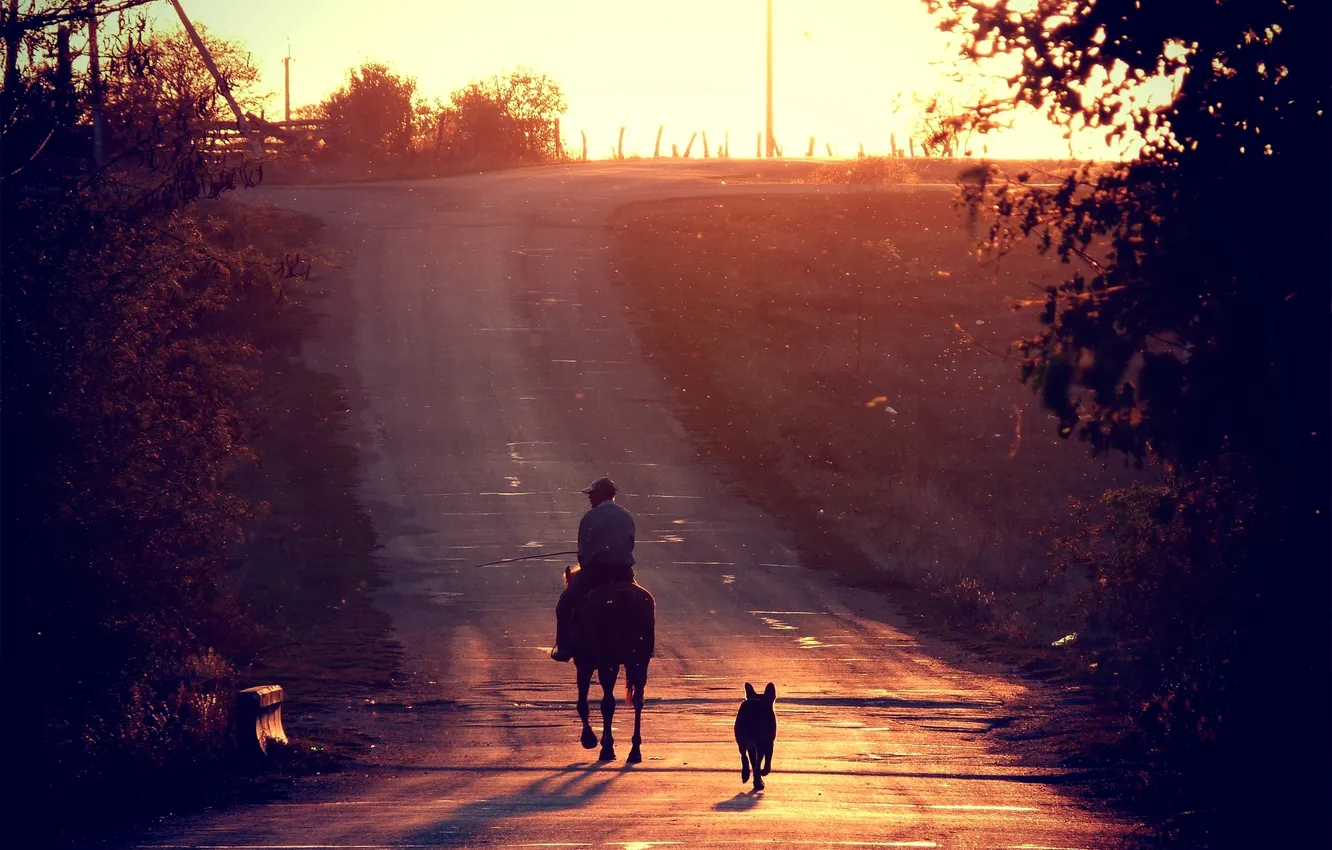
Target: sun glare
[849, 74]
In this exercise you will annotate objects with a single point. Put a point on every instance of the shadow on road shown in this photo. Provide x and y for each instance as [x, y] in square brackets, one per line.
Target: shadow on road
[742, 802]
[570, 787]
[1062, 778]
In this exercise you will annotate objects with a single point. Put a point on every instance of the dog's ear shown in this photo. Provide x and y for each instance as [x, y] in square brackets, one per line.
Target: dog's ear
[770, 693]
[750, 693]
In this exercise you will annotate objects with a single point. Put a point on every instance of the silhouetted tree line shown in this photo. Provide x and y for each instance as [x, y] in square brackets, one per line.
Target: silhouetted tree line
[121, 420]
[1190, 333]
[379, 116]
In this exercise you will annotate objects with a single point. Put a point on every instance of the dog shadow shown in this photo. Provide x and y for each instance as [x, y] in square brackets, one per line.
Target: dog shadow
[741, 802]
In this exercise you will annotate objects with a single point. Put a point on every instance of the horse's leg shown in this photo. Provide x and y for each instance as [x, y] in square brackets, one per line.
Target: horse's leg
[584, 682]
[637, 680]
[607, 676]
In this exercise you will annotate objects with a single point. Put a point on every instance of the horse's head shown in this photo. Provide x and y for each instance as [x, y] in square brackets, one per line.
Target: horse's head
[570, 572]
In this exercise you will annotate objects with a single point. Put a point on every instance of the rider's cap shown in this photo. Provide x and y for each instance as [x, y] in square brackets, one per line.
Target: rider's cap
[601, 485]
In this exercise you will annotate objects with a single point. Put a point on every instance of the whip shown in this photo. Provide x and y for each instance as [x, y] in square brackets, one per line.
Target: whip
[523, 558]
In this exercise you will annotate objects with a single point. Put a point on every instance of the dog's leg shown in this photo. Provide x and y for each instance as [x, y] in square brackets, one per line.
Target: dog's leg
[758, 775]
[767, 759]
[744, 764]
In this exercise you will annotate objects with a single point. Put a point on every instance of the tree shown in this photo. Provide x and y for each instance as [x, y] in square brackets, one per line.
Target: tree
[162, 75]
[121, 418]
[1193, 329]
[375, 112]
[509, 118]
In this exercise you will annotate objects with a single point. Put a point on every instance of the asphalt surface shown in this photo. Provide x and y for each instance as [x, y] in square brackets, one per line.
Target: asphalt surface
[492, 372]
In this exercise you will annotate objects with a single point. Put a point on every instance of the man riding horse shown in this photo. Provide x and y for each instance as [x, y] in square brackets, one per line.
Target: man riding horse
[605, 554]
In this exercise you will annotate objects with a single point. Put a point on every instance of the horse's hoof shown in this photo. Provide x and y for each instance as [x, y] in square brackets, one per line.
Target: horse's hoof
[634, 756]
[589, 739]
[606, 755]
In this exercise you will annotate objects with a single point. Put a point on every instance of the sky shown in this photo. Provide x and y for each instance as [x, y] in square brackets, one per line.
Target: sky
[844, 70]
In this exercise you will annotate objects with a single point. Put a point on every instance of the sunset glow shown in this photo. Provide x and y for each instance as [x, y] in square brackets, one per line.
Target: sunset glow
[845, 72]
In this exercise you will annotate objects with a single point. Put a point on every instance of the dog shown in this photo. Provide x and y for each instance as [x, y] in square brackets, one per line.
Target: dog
[755, 731]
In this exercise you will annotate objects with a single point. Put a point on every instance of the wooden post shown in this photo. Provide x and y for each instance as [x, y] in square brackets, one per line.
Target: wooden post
[860, 150]
[705, 144]
[559, 143]
[829, 146]
[690, 145]
[892, 140]
[912, 143]
[675, 149]
[656, 147]
[619, 145]
[810, 150]
[726, 145]
[758, 151]
[584, 132]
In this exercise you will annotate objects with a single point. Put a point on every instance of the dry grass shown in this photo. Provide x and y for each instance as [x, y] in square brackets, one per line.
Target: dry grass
[911, 170]
[846, 356]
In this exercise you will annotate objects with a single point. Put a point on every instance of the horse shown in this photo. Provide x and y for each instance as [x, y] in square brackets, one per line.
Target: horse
[613, 626]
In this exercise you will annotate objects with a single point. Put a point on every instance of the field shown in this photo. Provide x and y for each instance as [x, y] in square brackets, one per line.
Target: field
[847, 357]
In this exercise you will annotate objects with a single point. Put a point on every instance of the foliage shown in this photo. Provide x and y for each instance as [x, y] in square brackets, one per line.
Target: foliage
[1192, 333]
[376, 112]
[121, 417]
[161, 76]
[508, 118]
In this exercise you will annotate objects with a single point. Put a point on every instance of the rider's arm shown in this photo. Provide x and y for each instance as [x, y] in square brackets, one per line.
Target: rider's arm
[584, 535]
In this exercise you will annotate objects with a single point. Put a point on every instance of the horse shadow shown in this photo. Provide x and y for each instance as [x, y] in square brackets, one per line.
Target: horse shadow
[570, 787]
[743, 801]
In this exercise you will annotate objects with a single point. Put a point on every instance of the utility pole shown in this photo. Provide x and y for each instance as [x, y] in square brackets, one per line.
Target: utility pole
[286, 84]
[771, 145]
[222, 86]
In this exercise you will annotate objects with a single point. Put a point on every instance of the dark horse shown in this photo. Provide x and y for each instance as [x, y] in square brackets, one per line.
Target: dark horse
[613, 626]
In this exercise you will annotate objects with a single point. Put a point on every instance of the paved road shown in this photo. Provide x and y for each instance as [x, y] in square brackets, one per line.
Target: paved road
[493, 373]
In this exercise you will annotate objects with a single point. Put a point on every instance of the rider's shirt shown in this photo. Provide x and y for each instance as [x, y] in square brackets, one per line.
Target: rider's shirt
[606, 537]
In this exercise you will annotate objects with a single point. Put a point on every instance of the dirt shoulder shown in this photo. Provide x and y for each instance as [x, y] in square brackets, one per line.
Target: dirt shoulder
[305, 566]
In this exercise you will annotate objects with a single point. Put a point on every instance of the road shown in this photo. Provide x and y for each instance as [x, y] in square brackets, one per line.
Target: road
[492, 372]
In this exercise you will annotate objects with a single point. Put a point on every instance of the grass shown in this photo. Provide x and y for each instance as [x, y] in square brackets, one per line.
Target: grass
[847, 356]
[910, 170]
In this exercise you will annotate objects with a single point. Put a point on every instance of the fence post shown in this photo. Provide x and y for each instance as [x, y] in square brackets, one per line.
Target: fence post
[705, 144]
[559, 144]
[758, 151]
[912, 143]
[619, 145]
[690, 145]
[726, 145]
[829, 144]
[892, 140]
[810, 150]
[675, 149]
[584, 132]
[656, 147]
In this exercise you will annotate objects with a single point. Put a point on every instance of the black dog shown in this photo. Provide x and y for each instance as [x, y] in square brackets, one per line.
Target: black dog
[755, 730]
